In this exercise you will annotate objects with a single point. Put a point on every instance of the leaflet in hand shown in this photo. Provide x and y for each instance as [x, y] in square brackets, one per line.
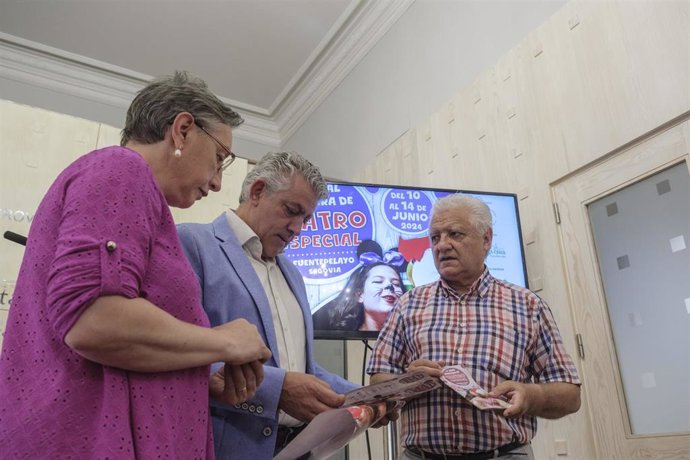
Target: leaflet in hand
[332, 429]
[459, 380]
[363, 407]
[402, 387]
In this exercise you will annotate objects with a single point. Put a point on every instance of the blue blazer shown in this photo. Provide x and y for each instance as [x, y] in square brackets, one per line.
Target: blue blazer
[231, 290]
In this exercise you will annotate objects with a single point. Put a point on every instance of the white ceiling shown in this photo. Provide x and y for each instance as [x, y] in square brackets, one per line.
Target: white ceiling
[274, 60]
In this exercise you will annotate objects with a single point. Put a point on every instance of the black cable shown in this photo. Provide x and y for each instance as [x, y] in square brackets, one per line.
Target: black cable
[364, 359]
[364, 367]
[16, 237]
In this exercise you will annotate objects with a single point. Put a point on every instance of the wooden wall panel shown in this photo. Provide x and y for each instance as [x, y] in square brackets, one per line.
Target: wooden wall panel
[427, 153]
[408, 153]
[108, 135]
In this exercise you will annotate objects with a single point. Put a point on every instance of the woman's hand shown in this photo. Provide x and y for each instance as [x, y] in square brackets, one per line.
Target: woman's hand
[243, 371]
[244, 345]
[234, 384]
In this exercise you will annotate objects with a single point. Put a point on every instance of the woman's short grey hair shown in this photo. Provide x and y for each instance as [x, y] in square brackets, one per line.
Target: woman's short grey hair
[278, 168]
[480, 214]
[155, 107]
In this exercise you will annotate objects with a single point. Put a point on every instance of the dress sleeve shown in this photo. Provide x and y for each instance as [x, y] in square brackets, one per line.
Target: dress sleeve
[110, 211]
[190, 247]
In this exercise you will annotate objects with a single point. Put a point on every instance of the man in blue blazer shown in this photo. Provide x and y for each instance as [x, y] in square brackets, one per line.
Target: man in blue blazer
[242, 274]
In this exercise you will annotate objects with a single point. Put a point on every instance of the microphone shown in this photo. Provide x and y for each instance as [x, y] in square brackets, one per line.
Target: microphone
[16, 237]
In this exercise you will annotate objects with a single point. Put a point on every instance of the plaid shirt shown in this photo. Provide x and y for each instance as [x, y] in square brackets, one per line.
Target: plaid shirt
[498, 331]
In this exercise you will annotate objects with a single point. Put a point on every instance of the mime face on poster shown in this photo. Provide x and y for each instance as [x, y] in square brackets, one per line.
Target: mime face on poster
[382, 288]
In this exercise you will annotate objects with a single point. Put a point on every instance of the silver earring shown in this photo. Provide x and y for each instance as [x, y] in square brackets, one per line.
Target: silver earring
[178, 153]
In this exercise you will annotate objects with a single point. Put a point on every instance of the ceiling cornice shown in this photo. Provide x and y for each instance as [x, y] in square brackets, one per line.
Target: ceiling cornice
[365, 27]
[57, 70]
[63, 72]
[257, 128]
[344, 46]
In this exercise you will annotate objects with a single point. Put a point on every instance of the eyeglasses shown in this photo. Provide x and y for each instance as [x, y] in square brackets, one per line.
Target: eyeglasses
[225, 162]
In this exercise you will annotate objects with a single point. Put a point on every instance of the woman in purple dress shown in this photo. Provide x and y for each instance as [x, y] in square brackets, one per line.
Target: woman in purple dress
[107, 349]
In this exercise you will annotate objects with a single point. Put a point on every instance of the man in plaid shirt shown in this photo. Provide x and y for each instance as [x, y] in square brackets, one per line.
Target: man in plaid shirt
[503, 334]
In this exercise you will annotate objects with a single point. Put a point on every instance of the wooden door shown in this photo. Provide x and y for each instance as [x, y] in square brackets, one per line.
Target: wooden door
[603, 389]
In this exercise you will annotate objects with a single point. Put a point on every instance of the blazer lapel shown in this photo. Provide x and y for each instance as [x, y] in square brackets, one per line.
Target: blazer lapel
[239, 262]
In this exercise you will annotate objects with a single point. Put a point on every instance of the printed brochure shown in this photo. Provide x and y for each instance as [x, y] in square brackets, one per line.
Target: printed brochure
[364, 407]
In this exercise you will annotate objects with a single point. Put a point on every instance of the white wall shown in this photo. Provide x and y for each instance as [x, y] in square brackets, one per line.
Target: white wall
[39, 96]
[436, 48]
[55, 101]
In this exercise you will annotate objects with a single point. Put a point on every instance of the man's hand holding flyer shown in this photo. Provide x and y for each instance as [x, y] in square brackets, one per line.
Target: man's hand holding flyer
[459, 379]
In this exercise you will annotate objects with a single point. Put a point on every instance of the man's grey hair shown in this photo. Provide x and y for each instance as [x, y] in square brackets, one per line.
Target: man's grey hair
[277, 169]
[155, 107]
[480, 214]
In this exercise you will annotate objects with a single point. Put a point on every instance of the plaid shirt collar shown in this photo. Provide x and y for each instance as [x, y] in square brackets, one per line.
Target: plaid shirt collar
[479, 288]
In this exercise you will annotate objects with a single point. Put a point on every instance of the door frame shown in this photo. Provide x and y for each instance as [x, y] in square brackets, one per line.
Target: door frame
[660, 149]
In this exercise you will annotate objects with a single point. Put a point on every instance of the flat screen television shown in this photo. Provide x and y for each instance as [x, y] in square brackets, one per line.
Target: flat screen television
[362, 226]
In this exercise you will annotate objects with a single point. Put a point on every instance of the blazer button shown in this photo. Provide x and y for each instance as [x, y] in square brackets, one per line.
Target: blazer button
[252, 408]
[110, 246]
[259, 409]
[238, 406]
[268, 431]
[245, 406]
